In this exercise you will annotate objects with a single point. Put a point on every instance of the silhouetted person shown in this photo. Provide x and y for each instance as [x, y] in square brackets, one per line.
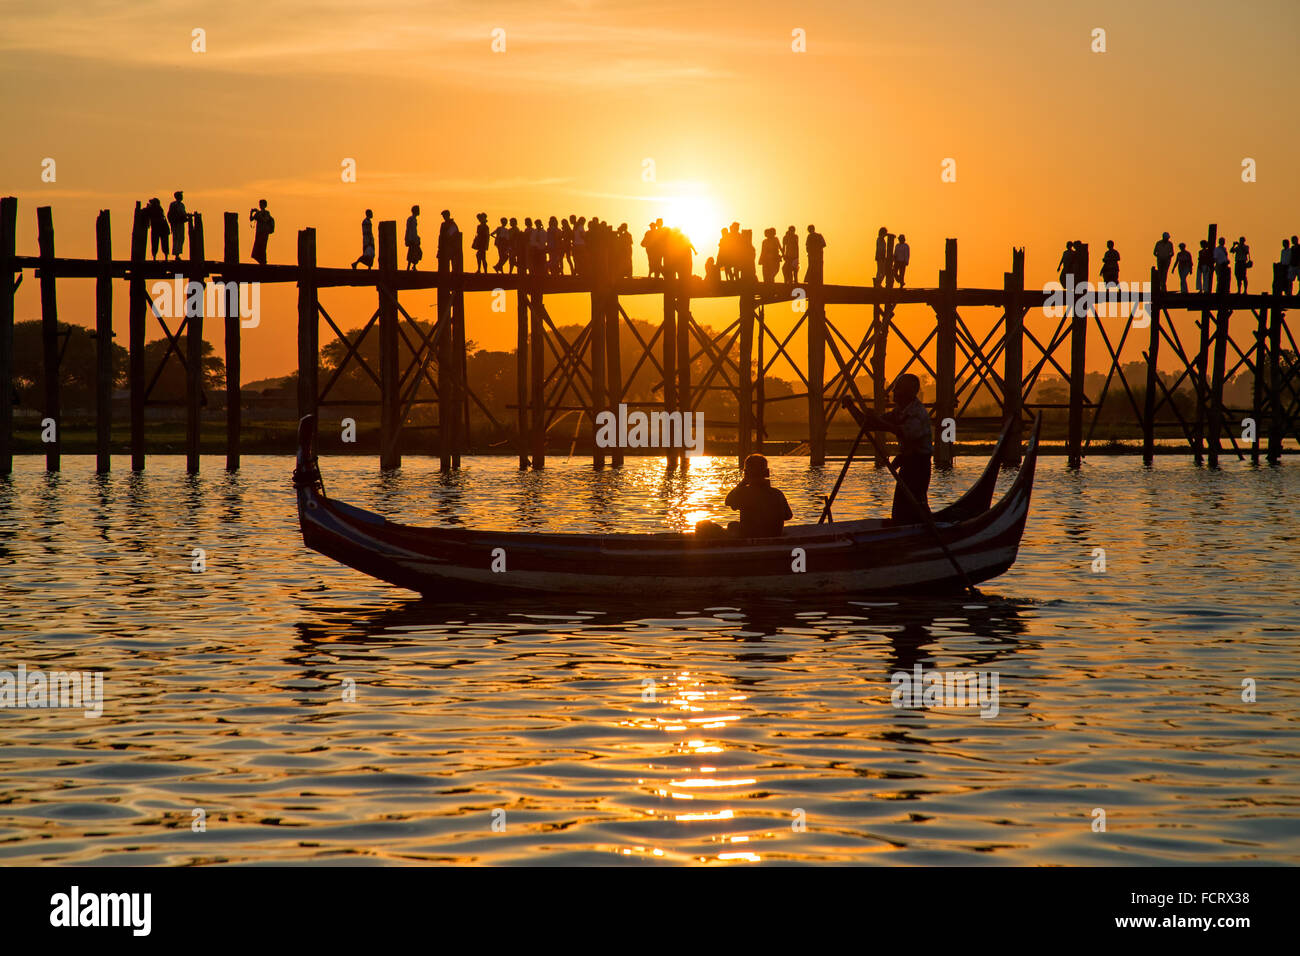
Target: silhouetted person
[1065, 267]
[712, 274]
[581, 265]
[413, 251]
[501, 242]
[263, 226]
[367, 257]
[724, 253]
[1204, 267]
[1222, 270]
[1164, 253]
[178, 219]
[911, 423]
[1294, 272]
[482, 239]
[451, 251]
[1110, 263]
[902, 256]
[554, 247]
[159, 231]
[1284, 260]
[566, 242]
[790, 256]
[748, 256]
[763, 509]
[537, 249]
[1241, 263]
[815, 245]
[624, 236]
[882, 256]
[1183, 265]
[770, 258]
[650, 244]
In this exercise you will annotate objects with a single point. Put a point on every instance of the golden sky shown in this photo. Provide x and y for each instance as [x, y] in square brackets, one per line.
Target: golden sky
[1051, 140]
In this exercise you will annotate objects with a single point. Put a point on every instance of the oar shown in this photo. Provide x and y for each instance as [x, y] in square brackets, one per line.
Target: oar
[826, 511]
[923, 512]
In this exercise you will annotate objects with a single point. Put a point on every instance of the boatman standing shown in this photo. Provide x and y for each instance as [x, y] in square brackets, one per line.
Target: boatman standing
[911, 423]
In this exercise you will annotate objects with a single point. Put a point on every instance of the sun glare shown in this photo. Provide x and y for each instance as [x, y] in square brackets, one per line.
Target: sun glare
[697, 216]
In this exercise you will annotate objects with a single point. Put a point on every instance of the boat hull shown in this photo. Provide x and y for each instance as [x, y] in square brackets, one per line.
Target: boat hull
[844, 559]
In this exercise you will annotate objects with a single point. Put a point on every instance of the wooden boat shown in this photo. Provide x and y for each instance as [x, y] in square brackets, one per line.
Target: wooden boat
[860, 557]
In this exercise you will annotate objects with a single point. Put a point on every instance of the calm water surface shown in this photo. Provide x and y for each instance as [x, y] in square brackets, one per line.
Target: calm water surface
[645, 732]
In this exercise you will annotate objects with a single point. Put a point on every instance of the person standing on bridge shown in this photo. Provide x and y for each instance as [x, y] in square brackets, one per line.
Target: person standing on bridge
[882, 257]
[263, 226]
[1183, 265]
[413, 251]
[902, 256]
[367, 257]
[1204, 267]
[451, 250]
[911, 423]
[1294, 272]
[1222, 271]
[1065, 267]
[1164, 253]
[624, 250]
[501, 242]
[1110, 264]
[1241, 262]
[178, 219]
[482, 238]
[815, 245]
[770, 257]
[158, 228]
[790, 256]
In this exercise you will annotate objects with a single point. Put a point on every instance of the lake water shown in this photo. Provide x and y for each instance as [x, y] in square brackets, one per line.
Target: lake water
[577, 732]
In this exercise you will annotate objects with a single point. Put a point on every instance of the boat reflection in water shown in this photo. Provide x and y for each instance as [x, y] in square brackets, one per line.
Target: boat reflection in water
[717, 734]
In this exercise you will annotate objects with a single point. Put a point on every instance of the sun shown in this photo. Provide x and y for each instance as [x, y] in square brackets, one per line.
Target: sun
[695, 215]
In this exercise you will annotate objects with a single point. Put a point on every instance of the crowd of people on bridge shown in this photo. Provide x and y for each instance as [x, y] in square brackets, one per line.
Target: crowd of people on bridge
[1214, 268]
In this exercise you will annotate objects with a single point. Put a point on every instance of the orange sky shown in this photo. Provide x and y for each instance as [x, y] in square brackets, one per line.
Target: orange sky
[1051, 140]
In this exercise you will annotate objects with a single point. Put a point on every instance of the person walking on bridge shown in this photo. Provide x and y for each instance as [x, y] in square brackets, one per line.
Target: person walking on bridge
[367, 257]
[815, 245]
[412, 239]
[1164, 253]
[882, 257]
[790, 256]
[263, 226]
[1183, 265]
[902, 256]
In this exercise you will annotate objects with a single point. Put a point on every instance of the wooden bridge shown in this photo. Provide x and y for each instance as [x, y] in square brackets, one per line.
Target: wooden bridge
[557, 376]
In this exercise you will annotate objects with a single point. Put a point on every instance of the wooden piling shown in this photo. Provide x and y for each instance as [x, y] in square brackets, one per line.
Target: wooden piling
[670, 357]
[1153, 371]
[234, 406]
[945, 354]
[8, 249]
[684, 397]
[760, 382]
[139, 305]
[1013, 398]
[745, 400]
[459, 392]
[308, 325]
[881, 319]
[1078, 362]
[596, 345]
[1201, 376]
[816, 376]
[49, 333]
[521, 373]
[1257, 384]
[1276, 413]
[390, 455]
[538, 370]
[613, 363]
[194, 350]
[444, 338]
[103, 343]
[1221, 322]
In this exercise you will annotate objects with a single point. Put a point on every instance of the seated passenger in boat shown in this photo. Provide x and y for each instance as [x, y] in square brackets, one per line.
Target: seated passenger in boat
[763, 509]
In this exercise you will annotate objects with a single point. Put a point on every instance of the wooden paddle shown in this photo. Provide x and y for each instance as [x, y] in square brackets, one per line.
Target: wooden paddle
[920, 509]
